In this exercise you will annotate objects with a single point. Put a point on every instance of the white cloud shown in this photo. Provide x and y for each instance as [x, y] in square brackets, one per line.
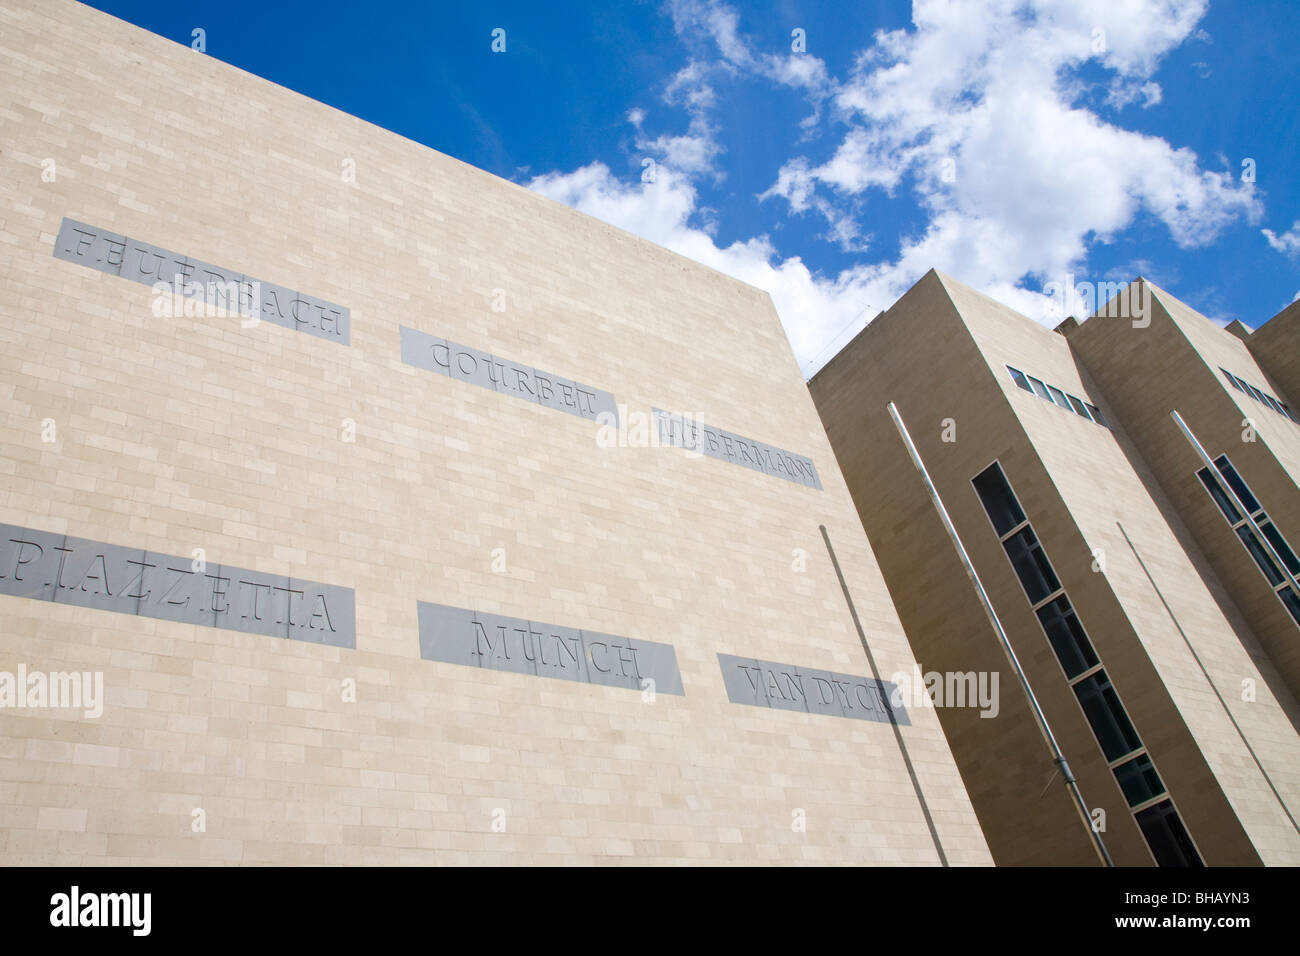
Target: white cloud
[976, 109]
[711, 20]
[709, 26]
[988, 88]
[1288, 243]
[661, 212]
[1121, 94]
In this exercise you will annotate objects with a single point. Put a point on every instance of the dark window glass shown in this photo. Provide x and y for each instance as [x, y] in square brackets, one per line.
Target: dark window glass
[1039, 388]
[1234, 481]
[1109, 722]
[1273, 403]
[1167, 837]
[1073, 649]
[1018, 377]
[1139, 780]
[1232, 380]
[1279, 544]
[1291, 601]
[1220, 496]
[1097, 416]
[998, 499]
[1256, 394]
[1260, 554]
[1290, 414]
[1031, 564]
[1077, 405]
[1058, 397]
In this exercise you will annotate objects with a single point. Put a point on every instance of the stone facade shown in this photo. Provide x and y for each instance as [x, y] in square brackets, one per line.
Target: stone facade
[255, 462]
[1212, 709]
[1178, 362]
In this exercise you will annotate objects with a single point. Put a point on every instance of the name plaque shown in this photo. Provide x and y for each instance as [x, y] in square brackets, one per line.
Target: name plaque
[229, 289]
[64, 570]
[683, 431]
[787, 687]
[455, 635]
[466, 364]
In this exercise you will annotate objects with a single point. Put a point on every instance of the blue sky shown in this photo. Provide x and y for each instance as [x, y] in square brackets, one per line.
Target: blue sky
[1010, 144]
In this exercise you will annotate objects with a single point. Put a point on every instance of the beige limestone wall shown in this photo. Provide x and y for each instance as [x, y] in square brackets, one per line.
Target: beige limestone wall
[919, 356]
[1174, 364]
[1275, 345]
[1103, 482]
[183, 433]
[948, 346]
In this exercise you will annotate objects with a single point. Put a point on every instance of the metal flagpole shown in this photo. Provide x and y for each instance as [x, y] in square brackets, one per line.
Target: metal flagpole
[1057, 757]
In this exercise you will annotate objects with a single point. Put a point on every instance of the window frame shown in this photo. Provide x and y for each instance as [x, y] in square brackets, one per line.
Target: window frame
[1022, 382]
[1258, 394]
[1115, 704]
[1058, 398]
[1077, 406]
[1172, 811]
[1097, 415]
[1232, 380]
[1095, 675]
[1243, 531]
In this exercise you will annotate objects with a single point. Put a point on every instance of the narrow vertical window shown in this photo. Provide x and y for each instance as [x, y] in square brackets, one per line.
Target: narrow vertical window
[1139, 780]
[1234, 481]
[1220, 496]
[1279, 545]
[1134, 770]
[1031, 565]
[1260, 554]
[998, 499]
[1266, 547]
[1066, 635]
[1291, 602]
[1107, 716]
[1167, 837]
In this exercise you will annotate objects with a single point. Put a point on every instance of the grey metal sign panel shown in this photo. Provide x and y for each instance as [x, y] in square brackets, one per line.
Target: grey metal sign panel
[95, 248]
[517, 379]
[809, 690]
[455, 635]
[500, 374]
[149, 264]
[470, 365]
[65, 570]
[418, 350]
[216, 286]
[684, 431]
[274, 303]
[142, 262]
